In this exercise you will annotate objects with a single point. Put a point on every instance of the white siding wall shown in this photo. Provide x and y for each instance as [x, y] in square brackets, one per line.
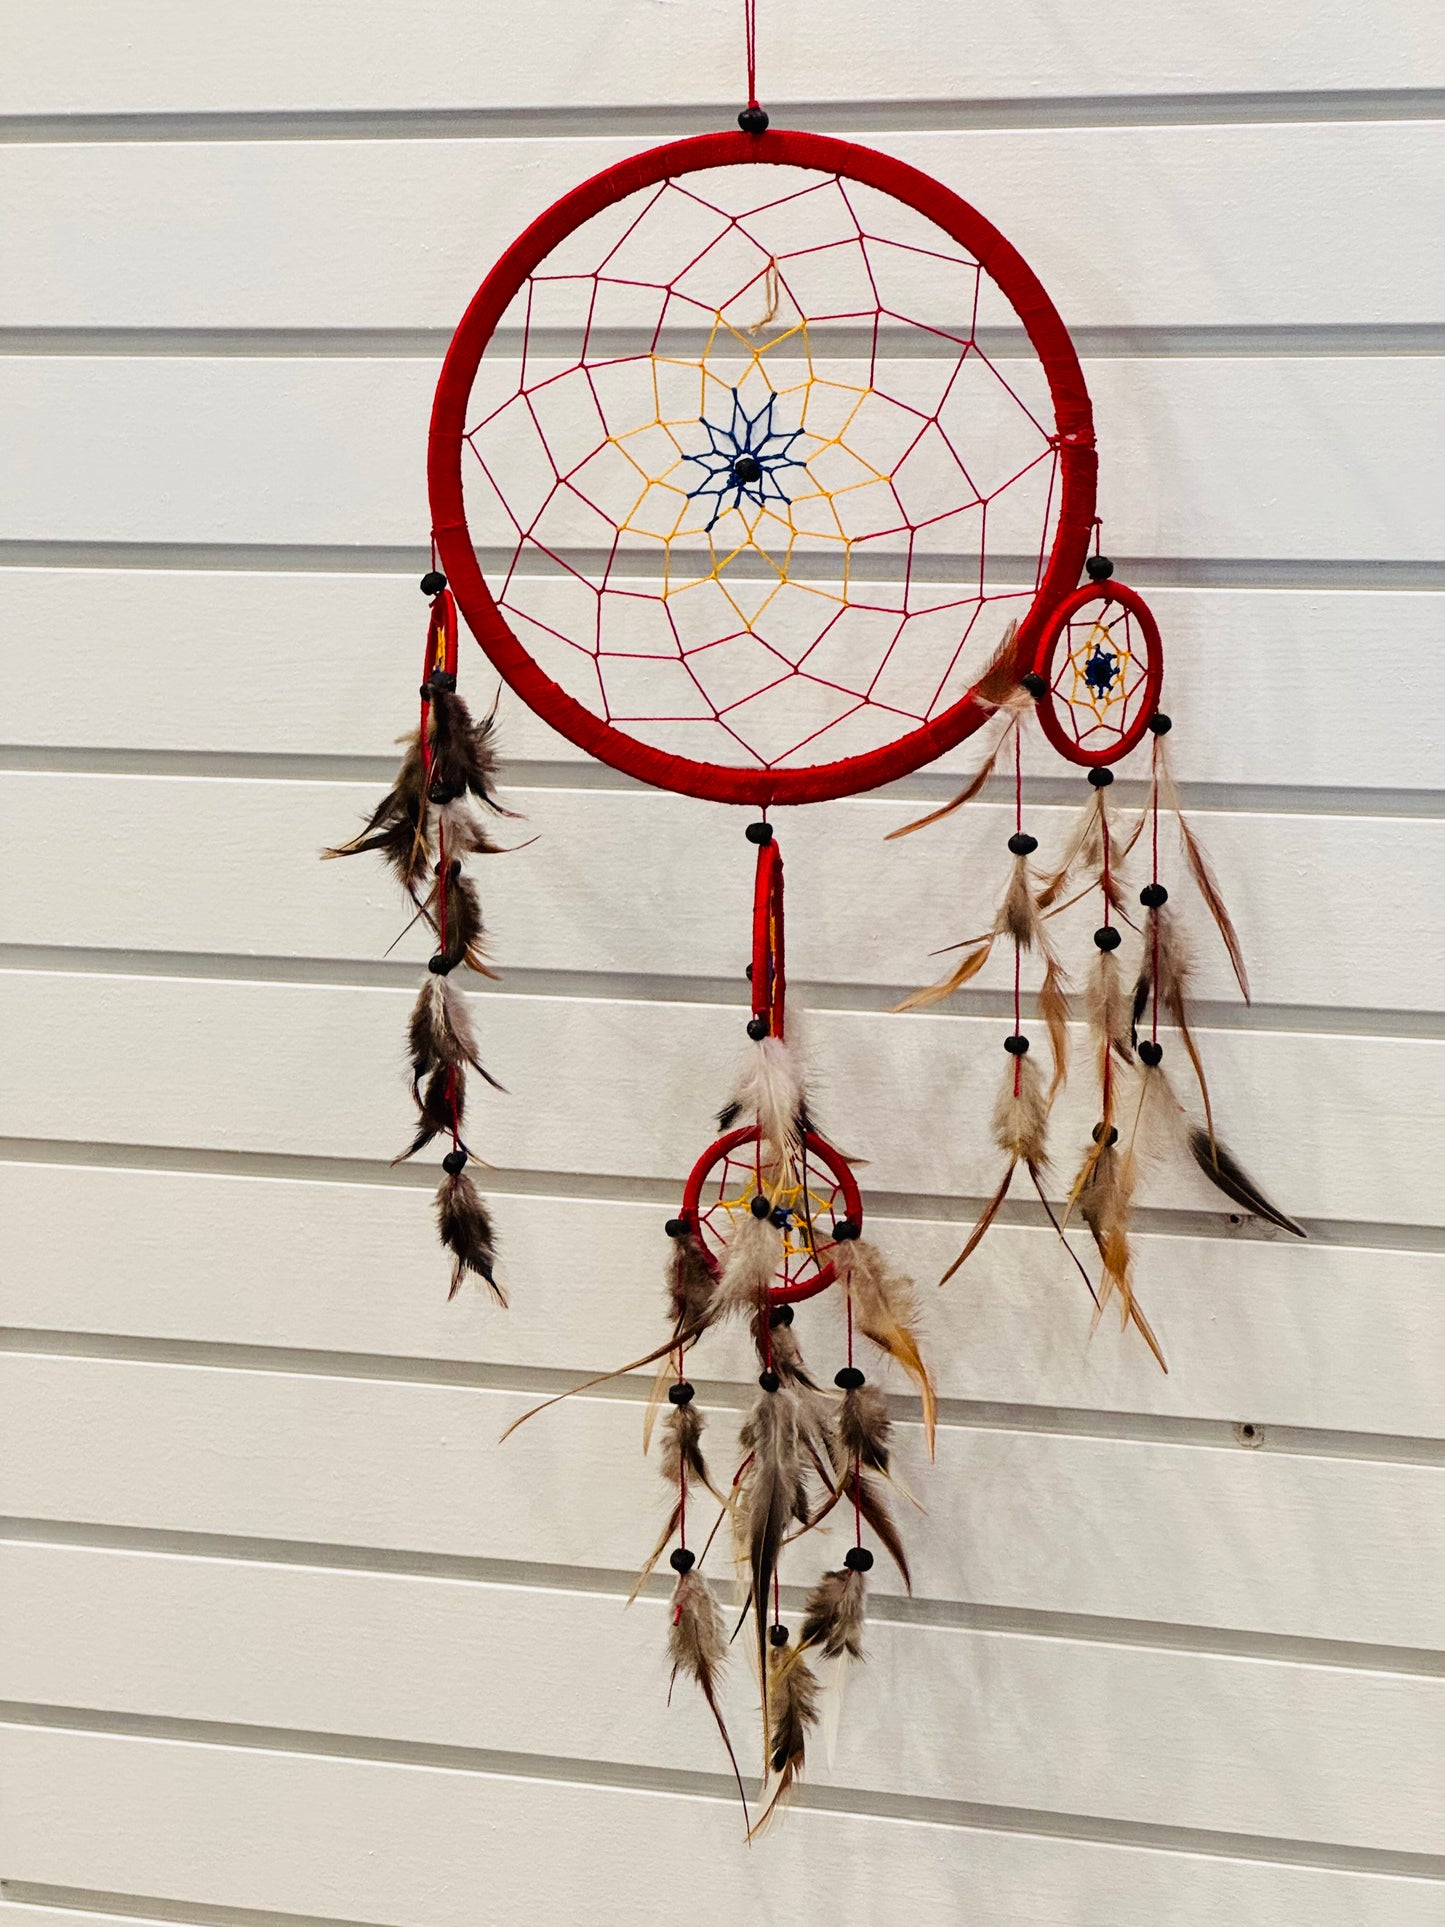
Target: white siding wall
[285, 1634]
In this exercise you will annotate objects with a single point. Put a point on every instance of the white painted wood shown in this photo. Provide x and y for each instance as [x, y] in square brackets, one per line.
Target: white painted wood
[623, 1088]
[1243, 457]
[1136, 1529]
[238, 1643]
[1128, 227]
[1323, 1337]
[1238, 660]
[577, 900]
[269, 1829]
[79, 56]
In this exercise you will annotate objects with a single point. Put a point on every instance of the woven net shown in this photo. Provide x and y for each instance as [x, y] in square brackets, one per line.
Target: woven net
[758, 467]
[1099, 676]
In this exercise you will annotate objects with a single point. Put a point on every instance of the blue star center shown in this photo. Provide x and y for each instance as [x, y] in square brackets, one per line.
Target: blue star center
[746, 459]
[1101, 671]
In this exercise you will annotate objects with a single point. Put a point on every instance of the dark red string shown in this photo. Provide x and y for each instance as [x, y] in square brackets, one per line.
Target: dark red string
[750, 29]
[1154, 878]
[1018, 953]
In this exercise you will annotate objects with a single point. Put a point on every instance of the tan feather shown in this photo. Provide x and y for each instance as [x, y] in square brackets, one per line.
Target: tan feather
[751, 1259]
[965, 795]
[771, 1093]
[1105, 1204]
[1054, 1009]
[885, 1310]
[1109, 1008]
[999, 687]
[935, 993]
[833, 1615]
[1018, 916]
[772, 1495]
[1164, 972]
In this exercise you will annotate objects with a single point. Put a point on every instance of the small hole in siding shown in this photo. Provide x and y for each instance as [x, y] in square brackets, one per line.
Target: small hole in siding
[1250, 1435]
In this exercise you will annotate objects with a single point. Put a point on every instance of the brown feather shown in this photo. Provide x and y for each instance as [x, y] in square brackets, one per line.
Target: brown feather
[1199, 867]
[999, 685]
[935, 993]
[1054, 1009]
[1020, 1129]
[864, 1428]
[773, 1494]
[1109, 1008]
[833, 1615]
[465, 1227]
[870, 1502]
[440, 1032]
[397, 827]
[965, 795]
[463, 751]
[691, 1283]
[983, 1221]
[461, 832]
[466, 935]
[1082, 840]
[698, 1648]
[792, 1700]
[441, 1104]
[1164, 971]
[1018, 916]
[885, 1308]
[1105, 1204]
[1223, 1170]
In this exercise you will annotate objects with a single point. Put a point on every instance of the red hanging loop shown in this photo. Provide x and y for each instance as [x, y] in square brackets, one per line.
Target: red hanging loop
[769, 978]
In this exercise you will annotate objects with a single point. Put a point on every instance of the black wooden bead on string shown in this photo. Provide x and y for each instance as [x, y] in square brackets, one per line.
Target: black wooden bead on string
[769, 1380]
[758, 1028]
[1106, 937]
[760, 1207]
[1017, 1045]
[433, 582]
[681, 1393]
[1153, 896]
[1034, 683]
[845, 1229]
[1101, 778]
[682, 1560]
[676, 1227]
[1098, 568]
[858, 1559]
[778, 1635]
[454, 1163]
[780, 1315]
[1160, 723]
[1098, 1134]
[753, 120]
[849, 1379]
[759, 833]
[442, 680]
[440, 966]
[1022, 844]
[1151, 1053]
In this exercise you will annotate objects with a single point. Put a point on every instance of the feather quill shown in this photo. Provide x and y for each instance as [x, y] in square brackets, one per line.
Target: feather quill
[886, 1311]
[465, 1227]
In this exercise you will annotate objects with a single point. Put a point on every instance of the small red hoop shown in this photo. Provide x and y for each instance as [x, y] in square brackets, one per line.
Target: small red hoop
[1142, 698]
[1074, 442]
[694, 1216]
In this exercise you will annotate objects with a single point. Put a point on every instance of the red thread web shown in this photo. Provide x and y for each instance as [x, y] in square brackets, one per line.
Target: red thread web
[813, 1200]
[900, 422]
[1102, 640]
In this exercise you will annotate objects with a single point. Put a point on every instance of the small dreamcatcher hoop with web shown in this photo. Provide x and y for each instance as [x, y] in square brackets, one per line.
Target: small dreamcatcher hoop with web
[762, 468]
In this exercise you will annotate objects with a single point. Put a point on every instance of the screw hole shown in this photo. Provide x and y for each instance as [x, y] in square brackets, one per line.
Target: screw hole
[1249, 1435]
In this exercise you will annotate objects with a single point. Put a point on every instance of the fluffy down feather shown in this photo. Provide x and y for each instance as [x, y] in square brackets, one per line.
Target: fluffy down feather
[465, 1226]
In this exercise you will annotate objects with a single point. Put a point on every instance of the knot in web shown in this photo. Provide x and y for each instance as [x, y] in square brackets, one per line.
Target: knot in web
[759, 466]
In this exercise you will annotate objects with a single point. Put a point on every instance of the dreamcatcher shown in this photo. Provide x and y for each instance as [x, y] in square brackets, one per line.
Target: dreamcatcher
[763, 469]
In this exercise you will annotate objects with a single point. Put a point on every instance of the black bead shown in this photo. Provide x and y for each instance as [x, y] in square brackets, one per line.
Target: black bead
[858, 1559]
[1153, 896]
[1151, 1053]
[746, 468]
[683, 1560]
[758, 1028]
[440, 966]
[1016, 1045]
[753, 120]
[1107, 938]
[442, 793]
[1034, 683]
[1022, 844]
[676, 1227]
[681, 1393]
[849, 1379]
[1160, 723]
[1101, 778]
[454, 1163]
[748, 973]
[759, 833]
[442, 680]
[1099, 568]
[1098, 1134]
[778, 1635]
[769, 1380]
[760, 1207]
[844, 1229]
[780, 1315]
[425, 692]
[433, 582]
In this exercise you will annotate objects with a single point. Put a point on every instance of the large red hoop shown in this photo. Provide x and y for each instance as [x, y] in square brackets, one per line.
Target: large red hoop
[815, 1147]
[1056, 628]
[1010, 272]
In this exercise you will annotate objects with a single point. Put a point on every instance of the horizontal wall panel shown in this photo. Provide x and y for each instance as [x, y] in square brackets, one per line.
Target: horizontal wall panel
[1127, 227]
[1301, 1752]
[1235, 457]
[626, 1089]
[299, 1834]
[1273, 1334]
[1239, 661]
[1203, 1536]
[78, 56]
[575, 899]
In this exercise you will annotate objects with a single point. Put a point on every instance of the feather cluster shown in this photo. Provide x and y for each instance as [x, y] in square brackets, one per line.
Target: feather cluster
[424, 828]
